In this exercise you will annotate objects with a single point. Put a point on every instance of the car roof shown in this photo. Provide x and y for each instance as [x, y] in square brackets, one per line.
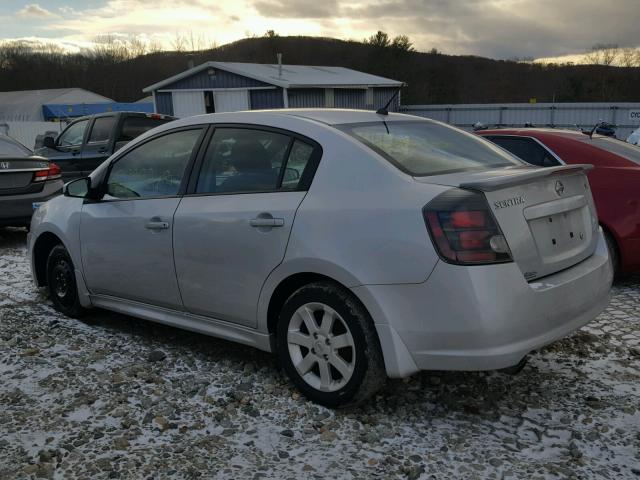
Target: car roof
[328, 116]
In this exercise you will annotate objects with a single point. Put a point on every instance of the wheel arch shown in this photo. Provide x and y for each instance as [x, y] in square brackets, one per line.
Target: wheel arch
[41, 249]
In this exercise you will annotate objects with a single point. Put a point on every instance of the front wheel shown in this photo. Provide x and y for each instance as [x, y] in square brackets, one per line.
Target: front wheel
[329, 347]
[61, 281]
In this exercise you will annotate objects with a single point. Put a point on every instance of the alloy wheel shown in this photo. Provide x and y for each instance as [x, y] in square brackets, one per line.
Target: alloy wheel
[321, 347]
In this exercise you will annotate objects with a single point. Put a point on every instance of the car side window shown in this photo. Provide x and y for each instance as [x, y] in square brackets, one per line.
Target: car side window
[243, 160]
[297, 164]
[155, 168]
[526, 149]
[101, 130]
[73, 135]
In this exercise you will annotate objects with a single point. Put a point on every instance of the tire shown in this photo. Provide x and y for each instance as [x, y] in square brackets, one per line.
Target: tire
[324, 331]
[612, 246]
[61, 281]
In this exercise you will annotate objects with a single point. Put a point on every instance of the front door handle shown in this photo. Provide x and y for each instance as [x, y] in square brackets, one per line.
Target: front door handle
[157, 225]
[266, 222]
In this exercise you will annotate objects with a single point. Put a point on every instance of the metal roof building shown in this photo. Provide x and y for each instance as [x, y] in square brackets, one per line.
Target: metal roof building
[31, 105]
[228, 86]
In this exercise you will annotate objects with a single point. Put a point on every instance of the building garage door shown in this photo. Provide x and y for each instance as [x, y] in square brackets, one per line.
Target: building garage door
[187, 104]
[231, 101]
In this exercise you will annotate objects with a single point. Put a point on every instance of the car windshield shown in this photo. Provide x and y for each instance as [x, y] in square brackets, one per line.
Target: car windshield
[12, 148]
[422, 148]
[618, 147]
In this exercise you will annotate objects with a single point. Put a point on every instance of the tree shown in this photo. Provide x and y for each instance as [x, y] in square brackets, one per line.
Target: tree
[629, 57]
[380, 39]
[402, 42]
[271, 34]
[602, 54]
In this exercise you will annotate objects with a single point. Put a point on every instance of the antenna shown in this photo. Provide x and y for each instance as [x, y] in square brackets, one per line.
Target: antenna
[383, 110]
[279, 57]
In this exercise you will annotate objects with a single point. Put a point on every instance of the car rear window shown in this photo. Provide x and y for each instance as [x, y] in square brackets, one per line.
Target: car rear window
[133, 127]
[422, 148]
[11, 148]
[618, 147]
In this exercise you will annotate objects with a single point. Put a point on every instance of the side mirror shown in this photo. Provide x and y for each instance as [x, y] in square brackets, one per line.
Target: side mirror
[49, 142]
[78, 188]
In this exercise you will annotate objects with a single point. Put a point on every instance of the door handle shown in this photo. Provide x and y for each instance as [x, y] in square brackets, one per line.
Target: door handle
[102, 150]
[157, 225]
[266, 222]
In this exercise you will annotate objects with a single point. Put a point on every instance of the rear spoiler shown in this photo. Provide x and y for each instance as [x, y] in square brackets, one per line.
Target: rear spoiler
[519, 177]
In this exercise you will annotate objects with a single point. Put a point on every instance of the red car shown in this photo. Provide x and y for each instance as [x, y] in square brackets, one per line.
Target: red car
[615, 179]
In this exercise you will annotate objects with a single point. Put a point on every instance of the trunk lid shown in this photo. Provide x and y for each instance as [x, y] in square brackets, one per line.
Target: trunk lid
[16, 174]
[547, 215]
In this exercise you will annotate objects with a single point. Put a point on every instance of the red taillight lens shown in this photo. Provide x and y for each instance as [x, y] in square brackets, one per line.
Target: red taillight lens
[50, 173]
[463, 229]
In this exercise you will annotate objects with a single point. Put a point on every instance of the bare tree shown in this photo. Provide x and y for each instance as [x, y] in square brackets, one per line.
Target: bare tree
[629, 57]
[179, 43]
[602, 54]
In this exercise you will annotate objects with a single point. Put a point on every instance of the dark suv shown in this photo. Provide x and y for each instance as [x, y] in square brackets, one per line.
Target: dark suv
[88, 141]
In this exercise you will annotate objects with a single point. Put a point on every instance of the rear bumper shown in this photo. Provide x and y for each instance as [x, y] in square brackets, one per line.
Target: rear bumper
[483, 317]
[18, 209]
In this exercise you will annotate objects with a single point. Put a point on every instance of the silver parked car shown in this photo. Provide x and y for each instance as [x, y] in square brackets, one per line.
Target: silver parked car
[355, 245]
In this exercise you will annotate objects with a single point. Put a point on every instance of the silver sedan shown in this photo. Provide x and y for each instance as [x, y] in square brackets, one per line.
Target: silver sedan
[354, 245]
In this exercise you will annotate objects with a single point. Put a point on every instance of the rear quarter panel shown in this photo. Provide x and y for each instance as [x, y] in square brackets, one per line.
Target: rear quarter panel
[362, 220]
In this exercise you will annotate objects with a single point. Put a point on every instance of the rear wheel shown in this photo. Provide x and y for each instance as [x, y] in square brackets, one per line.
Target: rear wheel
[328, 346]
[61, 281]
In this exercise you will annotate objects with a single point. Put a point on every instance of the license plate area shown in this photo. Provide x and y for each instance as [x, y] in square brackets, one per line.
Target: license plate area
[561, 235]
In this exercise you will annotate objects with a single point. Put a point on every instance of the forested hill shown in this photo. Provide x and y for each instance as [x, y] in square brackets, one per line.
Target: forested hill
[431, 77]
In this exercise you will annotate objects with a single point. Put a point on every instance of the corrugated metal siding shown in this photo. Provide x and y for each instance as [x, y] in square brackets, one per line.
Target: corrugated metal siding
[261, 99]
[558, 115]
[350, 98]
[222, 79]
[382, 95]
[306, 98]
[164, 103]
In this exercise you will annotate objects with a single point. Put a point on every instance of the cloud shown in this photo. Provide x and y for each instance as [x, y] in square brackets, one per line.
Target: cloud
[296, 8]
[493, 28]
[35, 10]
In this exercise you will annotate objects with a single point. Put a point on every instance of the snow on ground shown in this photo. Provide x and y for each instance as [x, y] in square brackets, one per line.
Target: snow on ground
[83, 399]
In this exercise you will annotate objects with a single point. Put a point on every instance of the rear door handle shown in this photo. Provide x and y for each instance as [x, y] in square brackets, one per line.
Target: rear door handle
[157, 225]
[266, 222]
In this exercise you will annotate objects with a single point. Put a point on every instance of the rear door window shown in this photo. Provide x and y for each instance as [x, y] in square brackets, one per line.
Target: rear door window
[526, 149]
[101, 130]
[425, 147]
[243, 160]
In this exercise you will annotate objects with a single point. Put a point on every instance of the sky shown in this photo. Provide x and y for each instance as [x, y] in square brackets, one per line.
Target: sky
[504, 29]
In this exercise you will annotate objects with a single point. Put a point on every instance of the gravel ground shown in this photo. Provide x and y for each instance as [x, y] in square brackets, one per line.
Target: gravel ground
[116, 397]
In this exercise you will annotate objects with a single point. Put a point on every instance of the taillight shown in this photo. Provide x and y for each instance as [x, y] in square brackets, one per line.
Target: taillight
[51, 173]
[463, 229]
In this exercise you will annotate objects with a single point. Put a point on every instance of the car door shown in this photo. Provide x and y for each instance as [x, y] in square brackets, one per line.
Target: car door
[232, 228]
[126, 238]
[99, 144]
[526, 148]
[68, 150]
